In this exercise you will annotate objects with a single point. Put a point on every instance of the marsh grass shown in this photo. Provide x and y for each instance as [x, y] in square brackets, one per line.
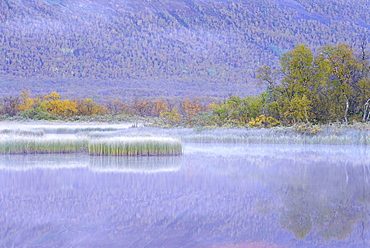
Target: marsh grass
[135, 146]
[147, 141]
[330, 134]
[121, 146]
[280, 138]
[283, 135]
[29, 145]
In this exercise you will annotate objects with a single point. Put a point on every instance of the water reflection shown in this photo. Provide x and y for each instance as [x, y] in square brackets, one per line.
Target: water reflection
[212, 196]
[141, 164]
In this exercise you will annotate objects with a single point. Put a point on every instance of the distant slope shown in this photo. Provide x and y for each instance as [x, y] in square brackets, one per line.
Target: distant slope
[124, 41]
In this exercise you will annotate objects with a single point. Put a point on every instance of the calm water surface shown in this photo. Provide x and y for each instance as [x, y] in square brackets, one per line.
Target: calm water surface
[215, 195]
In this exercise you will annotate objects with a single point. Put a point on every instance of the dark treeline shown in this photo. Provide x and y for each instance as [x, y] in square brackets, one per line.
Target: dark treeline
[224, 41]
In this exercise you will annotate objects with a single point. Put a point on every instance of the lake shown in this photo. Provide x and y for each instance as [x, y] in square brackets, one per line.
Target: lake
[214, 195]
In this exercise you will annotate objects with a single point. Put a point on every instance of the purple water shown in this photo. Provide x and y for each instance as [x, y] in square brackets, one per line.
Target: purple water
[215, 195]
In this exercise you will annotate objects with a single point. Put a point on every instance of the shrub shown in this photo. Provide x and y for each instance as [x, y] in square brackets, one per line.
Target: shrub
[306, 128]
[263, 122]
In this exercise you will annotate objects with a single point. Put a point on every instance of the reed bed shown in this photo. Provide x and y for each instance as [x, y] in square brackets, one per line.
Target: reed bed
[29, 145]
[117, 146]
[279, 139]
[346, 135]
[135, 146]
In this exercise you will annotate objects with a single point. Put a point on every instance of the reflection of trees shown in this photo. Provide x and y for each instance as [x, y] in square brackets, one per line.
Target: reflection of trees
[329, 199]
[319, 192]
[295, 215]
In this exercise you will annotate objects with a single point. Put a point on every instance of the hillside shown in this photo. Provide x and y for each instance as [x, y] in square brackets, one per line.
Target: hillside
[126, 48]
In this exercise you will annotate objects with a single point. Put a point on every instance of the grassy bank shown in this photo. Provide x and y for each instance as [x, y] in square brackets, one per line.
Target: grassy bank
[330, 134]
[128, 139]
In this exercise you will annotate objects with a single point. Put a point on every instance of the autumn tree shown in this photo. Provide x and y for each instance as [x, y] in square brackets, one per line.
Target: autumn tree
[10, 105]
[344, 76]
[89, 107]
[329, 86]
[301, 77]
[56, 106]
[160, 106]
[190, 110]
[237, 111]
[26, 101]
[117, 107]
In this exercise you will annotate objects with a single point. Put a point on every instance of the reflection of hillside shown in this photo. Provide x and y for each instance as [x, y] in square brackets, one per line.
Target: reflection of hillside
[143, 164]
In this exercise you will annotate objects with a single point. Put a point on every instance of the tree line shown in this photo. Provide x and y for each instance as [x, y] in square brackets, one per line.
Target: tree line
[331, 84]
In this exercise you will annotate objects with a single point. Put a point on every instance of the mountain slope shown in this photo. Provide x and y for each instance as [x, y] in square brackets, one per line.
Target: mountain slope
[184, 41]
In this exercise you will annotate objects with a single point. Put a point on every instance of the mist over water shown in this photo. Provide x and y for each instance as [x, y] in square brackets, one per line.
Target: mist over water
[215, 195]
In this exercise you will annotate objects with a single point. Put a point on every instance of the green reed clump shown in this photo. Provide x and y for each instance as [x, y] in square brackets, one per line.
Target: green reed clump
[27, 145]
[135, 146]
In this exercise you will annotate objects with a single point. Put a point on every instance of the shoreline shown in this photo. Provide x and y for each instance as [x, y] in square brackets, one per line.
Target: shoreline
[335, 134]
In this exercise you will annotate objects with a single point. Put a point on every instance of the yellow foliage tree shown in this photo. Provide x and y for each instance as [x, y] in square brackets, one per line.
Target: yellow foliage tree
[26, 101]
[160, 107]
[191, 109]
[172, 118]
[89, 107]
[56, 106]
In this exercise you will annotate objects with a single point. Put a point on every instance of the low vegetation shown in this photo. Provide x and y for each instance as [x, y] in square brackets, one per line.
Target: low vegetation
[129, 146]
[135, 146]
